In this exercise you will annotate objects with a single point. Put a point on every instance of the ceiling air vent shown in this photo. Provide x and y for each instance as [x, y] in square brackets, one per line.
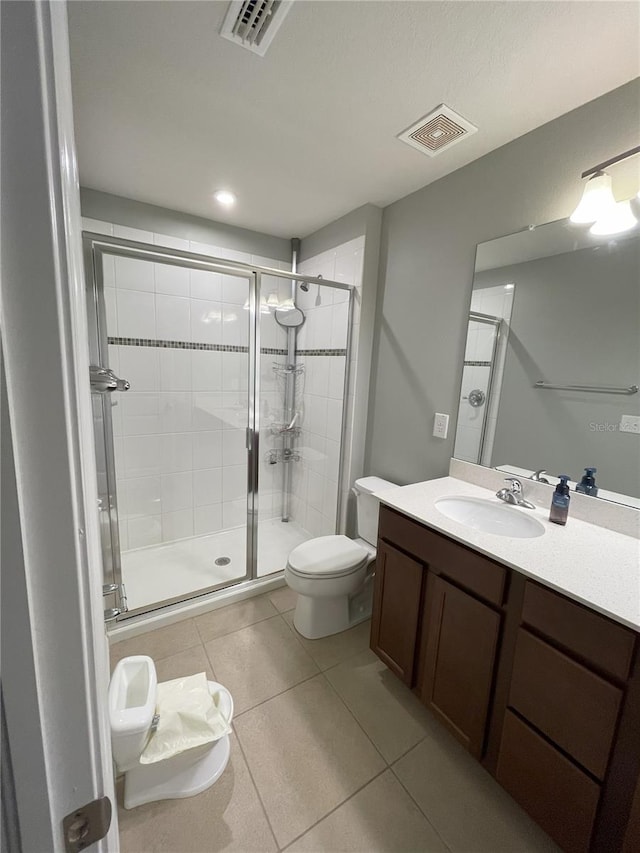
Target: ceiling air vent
[252, 24]
[438, 131]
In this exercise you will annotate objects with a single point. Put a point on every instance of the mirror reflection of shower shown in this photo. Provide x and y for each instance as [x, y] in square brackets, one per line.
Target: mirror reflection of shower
[484, 358]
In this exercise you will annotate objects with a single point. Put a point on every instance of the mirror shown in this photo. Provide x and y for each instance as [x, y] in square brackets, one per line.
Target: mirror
[552, 359]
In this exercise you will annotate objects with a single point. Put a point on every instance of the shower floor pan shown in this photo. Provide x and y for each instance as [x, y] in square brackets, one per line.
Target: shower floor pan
[159, 573]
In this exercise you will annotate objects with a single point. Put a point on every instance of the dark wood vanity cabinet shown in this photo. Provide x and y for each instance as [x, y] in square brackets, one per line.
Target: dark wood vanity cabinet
[460, 641]
[396, 610]
[542, 690]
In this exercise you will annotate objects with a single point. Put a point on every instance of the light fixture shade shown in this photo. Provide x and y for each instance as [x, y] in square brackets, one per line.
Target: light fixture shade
[596, 199]
[615, 220]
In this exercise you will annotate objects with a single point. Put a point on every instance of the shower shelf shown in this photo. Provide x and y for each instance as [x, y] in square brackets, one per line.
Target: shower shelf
[275, 456]
[284, 429]
[288, 369]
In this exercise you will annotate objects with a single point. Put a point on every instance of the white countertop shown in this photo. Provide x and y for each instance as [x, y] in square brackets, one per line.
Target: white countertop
[593, 565]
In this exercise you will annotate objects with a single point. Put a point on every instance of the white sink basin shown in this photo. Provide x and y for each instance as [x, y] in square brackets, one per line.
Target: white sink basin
[491, 517]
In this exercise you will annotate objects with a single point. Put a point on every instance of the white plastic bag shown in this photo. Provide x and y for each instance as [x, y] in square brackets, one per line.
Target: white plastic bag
[189, 717]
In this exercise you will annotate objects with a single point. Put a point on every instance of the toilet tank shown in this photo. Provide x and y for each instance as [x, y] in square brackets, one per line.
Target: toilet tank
[132, 704]
[368, 505]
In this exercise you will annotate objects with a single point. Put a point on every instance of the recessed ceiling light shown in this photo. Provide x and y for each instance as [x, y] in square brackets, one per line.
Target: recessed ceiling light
[224, 197]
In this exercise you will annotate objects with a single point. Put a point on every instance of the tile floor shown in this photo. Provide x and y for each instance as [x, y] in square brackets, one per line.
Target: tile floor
[330, 751]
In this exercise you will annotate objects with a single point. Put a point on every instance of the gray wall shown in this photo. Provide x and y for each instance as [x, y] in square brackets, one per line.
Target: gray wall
[575, 320]
[426, 270]
[161, 220]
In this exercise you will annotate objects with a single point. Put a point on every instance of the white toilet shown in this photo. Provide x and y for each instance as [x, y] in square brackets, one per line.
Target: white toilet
[132, 707]
[333, 574]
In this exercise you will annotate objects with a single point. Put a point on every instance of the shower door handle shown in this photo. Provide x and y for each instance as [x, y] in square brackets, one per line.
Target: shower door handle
[103, 379]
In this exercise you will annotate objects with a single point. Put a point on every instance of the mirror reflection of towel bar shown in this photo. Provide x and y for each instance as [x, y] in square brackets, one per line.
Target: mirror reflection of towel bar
[597, 389]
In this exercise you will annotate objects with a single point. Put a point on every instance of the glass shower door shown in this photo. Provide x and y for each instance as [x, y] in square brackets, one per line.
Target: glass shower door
[179, 330]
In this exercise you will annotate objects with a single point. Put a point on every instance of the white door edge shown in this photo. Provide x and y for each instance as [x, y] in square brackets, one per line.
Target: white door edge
[46, 359]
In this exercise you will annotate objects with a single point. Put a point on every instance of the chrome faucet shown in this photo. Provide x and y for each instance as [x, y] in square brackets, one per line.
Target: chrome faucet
[514, 494]
[538, 478]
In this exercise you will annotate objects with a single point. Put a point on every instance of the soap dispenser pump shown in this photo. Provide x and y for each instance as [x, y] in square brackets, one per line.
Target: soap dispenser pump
[560, 501]
[587, 485]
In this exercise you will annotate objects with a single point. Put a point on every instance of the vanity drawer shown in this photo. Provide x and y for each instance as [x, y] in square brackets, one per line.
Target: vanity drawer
[592, 637]
[465, 567]
[557, 794]
[573, 706]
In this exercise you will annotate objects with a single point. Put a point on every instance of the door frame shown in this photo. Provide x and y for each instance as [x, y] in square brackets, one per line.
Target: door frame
[55, 675]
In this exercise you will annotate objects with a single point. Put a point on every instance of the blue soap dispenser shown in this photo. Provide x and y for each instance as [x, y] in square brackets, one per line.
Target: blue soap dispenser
[560, 501]
[587, 484]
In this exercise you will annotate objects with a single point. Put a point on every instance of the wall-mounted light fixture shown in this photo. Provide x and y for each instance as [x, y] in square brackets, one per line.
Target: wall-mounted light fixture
[598, 206]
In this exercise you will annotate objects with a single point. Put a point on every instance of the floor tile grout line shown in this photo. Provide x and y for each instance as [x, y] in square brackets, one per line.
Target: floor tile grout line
[333, 689]
[276, 695]
[335, 808]
[413, 800]
[234, 630]
[256, 789]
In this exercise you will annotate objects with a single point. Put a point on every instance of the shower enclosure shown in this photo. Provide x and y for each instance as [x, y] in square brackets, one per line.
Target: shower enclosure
[218, 393]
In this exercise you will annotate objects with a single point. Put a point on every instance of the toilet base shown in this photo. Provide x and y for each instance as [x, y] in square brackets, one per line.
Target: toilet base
[176, 777]
[316, 617]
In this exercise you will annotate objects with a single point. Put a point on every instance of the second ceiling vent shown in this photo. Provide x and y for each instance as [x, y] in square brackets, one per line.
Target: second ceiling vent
[437, 131]
[252, 24]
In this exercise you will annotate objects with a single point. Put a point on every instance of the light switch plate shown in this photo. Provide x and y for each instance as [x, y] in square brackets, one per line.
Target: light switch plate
[440, 425]
[630, 423]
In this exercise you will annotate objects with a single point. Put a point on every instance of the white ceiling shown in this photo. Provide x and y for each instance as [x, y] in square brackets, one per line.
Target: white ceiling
[167, 111]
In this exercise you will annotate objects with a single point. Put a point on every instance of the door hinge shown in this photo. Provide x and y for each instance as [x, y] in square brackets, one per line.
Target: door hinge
[120, 592]
[87, 824]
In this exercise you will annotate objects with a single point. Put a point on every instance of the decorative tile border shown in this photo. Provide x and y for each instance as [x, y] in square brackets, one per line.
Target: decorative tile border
[321, 352]
[152, 342]
[477, 364]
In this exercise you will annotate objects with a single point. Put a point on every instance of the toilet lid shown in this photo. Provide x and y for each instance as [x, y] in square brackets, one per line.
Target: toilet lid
[327, 556]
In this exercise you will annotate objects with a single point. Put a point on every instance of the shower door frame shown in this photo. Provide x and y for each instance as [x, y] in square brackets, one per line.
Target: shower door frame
[94, 247]
[496, 322]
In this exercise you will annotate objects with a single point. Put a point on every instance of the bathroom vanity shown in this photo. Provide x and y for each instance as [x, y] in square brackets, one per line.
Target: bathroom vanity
[527, 651]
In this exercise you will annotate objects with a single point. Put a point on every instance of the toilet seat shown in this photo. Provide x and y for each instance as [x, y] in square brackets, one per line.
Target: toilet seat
[327, 557]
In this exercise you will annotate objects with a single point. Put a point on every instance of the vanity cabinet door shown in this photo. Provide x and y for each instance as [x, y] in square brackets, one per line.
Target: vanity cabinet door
[396, 610]
[460, 641]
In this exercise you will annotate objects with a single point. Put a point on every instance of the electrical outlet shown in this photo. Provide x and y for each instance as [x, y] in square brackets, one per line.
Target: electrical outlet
[440, 425]
[630, 423]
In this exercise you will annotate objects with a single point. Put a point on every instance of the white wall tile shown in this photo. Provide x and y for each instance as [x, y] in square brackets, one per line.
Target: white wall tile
[235, 325]
[171, 242]
[97, 226]
[208, 410]
[207, 486]
[334, 419]
[139, 365]
[208, 519]
[176, 452]
[175, 369]
[206, 370]
[142, 497]
[206, 321]
[177, 525]
[141, 456]
[175, 411]
[235, 290]
[234, 450]
[171, 280]
[136, 314]
[235, 371]
[173, 318]
[234, 513]
[206, 285]
[234, 482]
[136, 234]
[140, 413]
[207, 449]
[315, 490]
[176, 491]
[111, 310]
[144, 531]
[133, 274]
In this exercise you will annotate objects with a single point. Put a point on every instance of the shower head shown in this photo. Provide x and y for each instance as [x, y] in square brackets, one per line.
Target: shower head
[304, 285]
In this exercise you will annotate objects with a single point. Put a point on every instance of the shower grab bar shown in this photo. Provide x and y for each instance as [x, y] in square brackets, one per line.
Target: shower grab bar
[596, 389]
